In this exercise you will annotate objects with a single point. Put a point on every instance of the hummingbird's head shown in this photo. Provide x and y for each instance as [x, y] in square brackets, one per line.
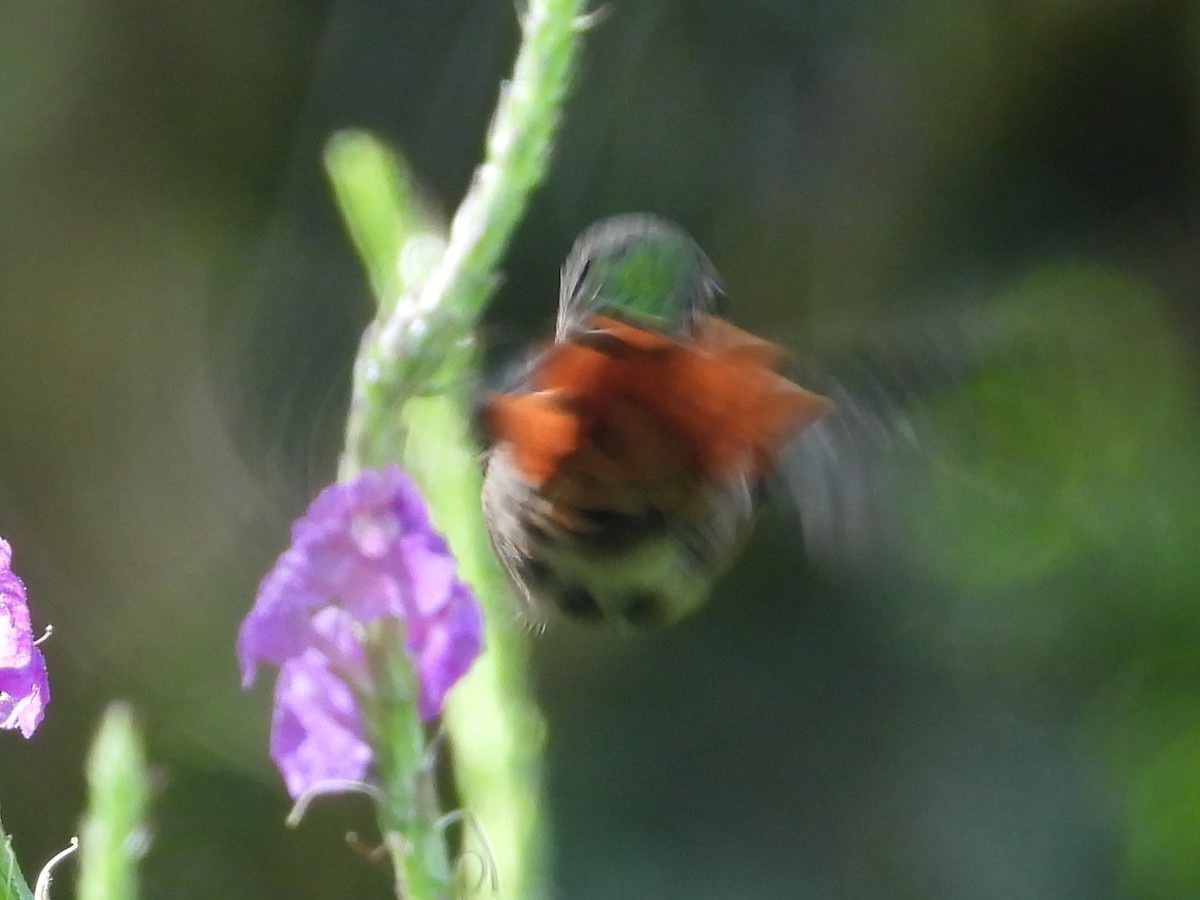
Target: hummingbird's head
[641, 270]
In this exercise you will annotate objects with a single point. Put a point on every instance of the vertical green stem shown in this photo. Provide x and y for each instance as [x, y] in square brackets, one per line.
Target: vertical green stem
[408, 403]
[422, 340]
[408, 814]
[113, 838]
[496, 729]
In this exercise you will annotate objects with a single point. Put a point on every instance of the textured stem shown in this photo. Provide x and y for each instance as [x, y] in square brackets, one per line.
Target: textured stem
[408, 403]
[408, 814]
[495, 727]
[113, 837]
[423, 339]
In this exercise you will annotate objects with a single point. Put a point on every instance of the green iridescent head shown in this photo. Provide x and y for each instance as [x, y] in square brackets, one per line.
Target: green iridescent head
[640, 269]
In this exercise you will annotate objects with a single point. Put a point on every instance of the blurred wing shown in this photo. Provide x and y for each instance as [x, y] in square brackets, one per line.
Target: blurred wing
[836, 473]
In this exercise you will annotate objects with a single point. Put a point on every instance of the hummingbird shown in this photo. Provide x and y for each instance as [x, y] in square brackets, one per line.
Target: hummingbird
[625, 459]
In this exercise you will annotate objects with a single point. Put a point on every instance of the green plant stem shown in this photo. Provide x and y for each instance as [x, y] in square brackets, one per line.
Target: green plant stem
[409, 814]
[423, 340]
[496, 730]
[408, 402]
[112, 838]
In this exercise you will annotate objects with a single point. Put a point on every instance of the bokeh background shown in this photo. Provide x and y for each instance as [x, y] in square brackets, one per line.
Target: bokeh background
[993, 694]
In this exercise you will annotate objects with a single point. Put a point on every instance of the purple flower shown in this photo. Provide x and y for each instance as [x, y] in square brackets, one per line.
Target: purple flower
[364, 551]
[316, 734]
[24, 690]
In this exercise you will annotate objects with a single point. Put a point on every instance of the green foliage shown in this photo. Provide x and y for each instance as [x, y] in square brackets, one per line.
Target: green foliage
[1047, 460]
[1064, 512]
[12, 882]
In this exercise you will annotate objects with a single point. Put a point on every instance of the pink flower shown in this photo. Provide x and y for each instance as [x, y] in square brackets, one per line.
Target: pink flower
[24, 689]
[364, 551]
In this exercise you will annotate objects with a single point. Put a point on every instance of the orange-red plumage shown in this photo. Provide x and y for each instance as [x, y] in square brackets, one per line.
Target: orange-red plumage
[541, 433]
[632, 409]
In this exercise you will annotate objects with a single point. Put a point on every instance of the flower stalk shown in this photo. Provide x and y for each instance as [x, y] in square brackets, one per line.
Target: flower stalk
[409, 402]
[113, 838]
[408, 814]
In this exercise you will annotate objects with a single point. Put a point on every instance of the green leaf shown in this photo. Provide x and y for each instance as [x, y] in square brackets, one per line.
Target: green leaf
[395, 234]
[12, 883]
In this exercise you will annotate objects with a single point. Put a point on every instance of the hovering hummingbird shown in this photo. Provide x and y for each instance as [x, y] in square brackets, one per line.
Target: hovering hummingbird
[625, 459]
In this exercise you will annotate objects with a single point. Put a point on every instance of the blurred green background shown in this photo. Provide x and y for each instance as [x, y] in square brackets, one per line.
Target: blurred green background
[998, 696]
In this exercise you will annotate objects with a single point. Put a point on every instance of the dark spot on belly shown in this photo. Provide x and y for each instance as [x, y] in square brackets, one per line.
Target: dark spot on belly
[644, 609]
[611, 533]
[578, 603]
